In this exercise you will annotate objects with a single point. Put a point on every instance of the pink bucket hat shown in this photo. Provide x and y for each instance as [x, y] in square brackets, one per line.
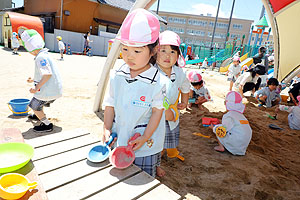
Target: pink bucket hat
[236, 58]
[139, 28]
[171, 38]
[234, 102]
[194, 77]
[298, 98]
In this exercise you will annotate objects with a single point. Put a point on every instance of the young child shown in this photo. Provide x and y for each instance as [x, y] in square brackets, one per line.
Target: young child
[169, 61]
[48, 86]
[134, 102]
[294, 116]
[234, 134]
[268, 95]
[198, 91]
[15, 43]
[61, 47]
[234, 71]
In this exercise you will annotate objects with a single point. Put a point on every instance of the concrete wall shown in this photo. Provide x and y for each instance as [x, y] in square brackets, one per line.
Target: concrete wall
[76, 41]
[1, 34]
[5, 4]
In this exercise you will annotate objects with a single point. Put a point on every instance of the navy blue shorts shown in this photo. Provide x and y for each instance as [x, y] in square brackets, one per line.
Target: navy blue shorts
[37, 105]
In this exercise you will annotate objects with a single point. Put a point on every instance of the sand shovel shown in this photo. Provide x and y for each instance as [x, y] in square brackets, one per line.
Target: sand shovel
[174, 107]
[173, 152]
[101, 152]
[273, 126]
[123, 156]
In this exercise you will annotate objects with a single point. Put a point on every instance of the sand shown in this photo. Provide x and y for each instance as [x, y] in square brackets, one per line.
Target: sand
[269, 170]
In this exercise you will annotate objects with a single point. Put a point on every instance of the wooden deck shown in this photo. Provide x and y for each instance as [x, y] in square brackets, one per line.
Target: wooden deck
[60, 161]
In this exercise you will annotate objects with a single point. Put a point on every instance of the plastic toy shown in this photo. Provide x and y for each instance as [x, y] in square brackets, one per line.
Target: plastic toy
[174, 107]
[14, 186]
[201, 135]
[14, 156]
[174, 153]
[206, 121]
[221, 131]
[123, 156]
[101, 152]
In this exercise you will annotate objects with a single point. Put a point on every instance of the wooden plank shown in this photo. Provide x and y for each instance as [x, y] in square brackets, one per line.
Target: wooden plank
[15, 135]
[56, 137]
[70, 173]
[93, 183]
[61, 160]
[63, 146]
[160, 192]
[128, 189]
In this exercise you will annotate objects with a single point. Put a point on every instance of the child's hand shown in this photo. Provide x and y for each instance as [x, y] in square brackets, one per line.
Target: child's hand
[211, 126]
[182, 106]
[106, 135]
[138, 142]
[169, 115]
[33, 90]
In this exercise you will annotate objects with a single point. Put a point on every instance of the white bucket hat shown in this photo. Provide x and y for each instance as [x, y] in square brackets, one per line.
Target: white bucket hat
[234, 102]
[32, 40]
[139, 28]
[171, 38]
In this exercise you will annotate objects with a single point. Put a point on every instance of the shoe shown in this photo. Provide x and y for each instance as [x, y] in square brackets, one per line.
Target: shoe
[33, 117]
[43, 128]
[260, 105]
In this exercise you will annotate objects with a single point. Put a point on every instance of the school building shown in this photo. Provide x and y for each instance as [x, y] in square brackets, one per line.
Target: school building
[198, 29]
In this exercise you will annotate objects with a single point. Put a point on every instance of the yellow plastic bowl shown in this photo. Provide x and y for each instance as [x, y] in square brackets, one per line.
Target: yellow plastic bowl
[284, 98]
[14, 186]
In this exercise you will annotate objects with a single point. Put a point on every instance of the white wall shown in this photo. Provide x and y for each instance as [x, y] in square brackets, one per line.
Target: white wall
[76, 41]
[1, 36]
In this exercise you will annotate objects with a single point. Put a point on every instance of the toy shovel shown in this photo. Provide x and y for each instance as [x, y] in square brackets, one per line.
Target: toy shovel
[173, 152]
[123, 156]
[101, 152]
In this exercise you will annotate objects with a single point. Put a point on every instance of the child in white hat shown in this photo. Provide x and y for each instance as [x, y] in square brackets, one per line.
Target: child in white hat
[198, 94]
[15, 43]
[134, 102]
[47, 83]
[234, 133]
[170, 62]
[234, 71]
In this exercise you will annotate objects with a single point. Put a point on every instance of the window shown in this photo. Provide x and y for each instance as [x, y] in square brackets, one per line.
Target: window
[176, 20]
[237, 26]
[164, 17]
[197, 22]
[233, 36]
[7, 21]
[195, 32]
[176, 30]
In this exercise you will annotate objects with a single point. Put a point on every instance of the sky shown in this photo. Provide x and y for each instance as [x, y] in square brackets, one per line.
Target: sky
[244, 9]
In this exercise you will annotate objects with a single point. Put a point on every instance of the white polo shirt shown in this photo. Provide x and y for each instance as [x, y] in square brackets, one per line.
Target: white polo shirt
[133, 100]
[178, 81]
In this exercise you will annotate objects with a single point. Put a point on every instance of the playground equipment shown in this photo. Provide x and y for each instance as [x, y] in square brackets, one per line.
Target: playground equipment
[69, 52]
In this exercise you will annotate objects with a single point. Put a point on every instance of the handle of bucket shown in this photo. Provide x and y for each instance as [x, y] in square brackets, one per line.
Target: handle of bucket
[17, 112]
[32, 185]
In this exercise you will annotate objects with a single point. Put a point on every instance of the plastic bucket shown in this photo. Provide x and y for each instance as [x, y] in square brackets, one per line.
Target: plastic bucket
[19, 107]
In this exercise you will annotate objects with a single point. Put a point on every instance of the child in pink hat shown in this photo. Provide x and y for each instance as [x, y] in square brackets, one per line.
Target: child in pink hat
[234, 134]
[294, 116]
[199, 94]
[170, 62]
[135, 99]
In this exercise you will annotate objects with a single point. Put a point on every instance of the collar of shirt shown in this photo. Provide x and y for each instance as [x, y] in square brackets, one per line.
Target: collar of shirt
[42, 50]
[173, 74]
[149, 76]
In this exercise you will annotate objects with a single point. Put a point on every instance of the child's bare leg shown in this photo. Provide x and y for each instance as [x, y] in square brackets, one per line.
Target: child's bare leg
[160, 172]
[231, 84]
[39, 114]
[220, 147]
[200, 101]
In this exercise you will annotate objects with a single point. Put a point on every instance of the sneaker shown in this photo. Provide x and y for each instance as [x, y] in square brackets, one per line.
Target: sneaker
[33, 117]
[260, 105]
[43, 128]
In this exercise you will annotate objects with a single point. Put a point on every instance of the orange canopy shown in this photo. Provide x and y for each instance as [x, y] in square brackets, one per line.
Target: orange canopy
[20, 20]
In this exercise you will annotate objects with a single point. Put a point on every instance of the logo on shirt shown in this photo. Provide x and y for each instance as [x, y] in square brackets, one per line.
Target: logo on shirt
[142, 98]
[43, 62]
[141, 104]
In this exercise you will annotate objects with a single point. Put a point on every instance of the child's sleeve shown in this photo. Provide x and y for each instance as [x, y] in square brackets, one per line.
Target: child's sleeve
[186, 86]
[286, 108]
[259, 93]
[158, 99]
[43, 66]
[109, 98]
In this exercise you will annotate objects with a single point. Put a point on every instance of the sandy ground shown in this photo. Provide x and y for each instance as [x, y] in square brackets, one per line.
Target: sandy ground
[270, 169]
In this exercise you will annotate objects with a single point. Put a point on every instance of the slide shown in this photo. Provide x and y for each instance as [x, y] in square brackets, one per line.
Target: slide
[244, 61]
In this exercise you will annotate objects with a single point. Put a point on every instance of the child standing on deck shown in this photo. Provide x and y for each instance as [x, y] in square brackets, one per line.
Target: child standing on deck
[47, 82]
[169, 61]
[134, 103]
[15, 43]
[199, 94]
[61, 47]
[234, 71]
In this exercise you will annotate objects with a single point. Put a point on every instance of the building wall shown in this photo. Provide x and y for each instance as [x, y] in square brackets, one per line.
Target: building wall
[5, 4]
[81, 12]
[197, 29]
